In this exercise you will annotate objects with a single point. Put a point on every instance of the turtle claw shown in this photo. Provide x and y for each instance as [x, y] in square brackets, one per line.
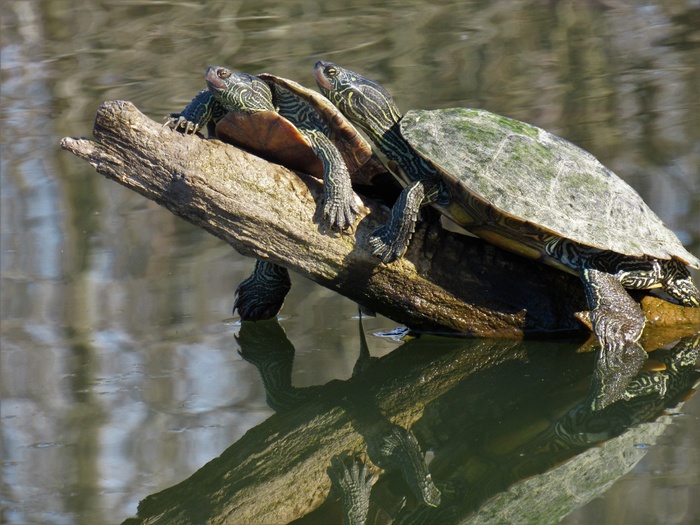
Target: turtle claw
[177, 122]
[381, 245]
[340, 216]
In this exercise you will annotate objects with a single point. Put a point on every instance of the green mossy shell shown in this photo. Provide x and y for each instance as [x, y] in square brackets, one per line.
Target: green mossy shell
[531, 175]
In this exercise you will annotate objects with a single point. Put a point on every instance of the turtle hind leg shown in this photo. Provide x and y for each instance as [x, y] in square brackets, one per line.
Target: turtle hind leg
[678, 284]
[261, 295]
[671, 275]
[617, 319]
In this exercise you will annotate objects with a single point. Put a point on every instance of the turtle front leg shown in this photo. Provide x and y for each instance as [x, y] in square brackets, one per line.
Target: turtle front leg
[204, 110]
[390, 241]
[261, 295]
[339, 207]
[617, 319]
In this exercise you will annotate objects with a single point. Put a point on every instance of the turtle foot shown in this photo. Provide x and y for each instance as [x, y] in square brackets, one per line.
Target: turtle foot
[261, 295]
[381, 244]
[401, 447]
[351, 478]
[252, 307]
[618, 321]
[340, 214]
[177, 122]
[618, 337]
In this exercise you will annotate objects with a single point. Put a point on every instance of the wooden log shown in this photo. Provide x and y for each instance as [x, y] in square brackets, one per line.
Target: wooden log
[447, 282]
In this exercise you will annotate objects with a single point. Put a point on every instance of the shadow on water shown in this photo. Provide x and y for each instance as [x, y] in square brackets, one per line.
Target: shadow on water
[440, 431]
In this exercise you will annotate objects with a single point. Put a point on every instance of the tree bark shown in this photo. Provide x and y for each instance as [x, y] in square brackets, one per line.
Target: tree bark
[447, 282]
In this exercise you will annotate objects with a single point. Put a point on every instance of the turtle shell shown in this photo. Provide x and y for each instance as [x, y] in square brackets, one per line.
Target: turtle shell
[273, 137]
[536, 179]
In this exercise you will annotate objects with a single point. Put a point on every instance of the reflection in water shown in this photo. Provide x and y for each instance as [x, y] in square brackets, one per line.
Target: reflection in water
[510, 430]
[611, 377]
[645, 395]
[623, 432]
[389, 446]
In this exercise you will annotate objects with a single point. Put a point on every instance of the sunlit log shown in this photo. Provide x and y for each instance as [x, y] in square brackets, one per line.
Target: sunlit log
[446, 282]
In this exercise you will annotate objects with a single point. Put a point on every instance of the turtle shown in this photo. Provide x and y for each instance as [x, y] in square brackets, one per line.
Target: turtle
[527, 191]
[286, 123]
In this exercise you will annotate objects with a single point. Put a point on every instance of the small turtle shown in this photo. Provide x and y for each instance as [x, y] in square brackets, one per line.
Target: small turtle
[524, 190]
[283, 122]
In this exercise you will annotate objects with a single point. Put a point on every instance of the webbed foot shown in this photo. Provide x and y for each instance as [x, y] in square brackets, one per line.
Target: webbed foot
[261, 295]
[618, 336]
[352, 479]
[617, 319]
[389, 242]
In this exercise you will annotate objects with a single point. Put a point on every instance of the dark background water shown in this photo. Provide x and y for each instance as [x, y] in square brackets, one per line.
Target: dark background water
[120, 372]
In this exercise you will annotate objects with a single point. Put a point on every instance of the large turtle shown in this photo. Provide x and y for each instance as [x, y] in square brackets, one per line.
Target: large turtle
[527, 191]
[283, 122]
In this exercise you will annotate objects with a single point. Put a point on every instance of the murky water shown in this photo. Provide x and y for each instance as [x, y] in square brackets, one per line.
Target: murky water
[121, 376]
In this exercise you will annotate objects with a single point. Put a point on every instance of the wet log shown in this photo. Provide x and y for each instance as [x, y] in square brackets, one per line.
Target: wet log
[447, 282]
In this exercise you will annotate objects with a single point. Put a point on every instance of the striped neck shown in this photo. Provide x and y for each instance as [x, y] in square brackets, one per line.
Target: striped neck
[392, 144]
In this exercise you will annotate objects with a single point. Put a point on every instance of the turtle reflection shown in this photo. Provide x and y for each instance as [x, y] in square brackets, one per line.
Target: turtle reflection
[389, 446]
[471, 467]
[549, 474]
[644, 396]
[510, 426]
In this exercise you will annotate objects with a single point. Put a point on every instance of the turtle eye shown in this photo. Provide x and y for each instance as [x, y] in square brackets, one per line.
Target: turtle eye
[331, 72]
[223, 73]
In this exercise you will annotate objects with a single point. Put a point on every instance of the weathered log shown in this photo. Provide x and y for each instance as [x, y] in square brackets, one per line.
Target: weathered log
[446, 282]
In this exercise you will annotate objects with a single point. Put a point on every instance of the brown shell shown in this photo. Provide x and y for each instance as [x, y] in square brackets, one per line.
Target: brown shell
[272, 137]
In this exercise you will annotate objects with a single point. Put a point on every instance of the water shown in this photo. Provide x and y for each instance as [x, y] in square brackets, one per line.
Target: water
[121, 376]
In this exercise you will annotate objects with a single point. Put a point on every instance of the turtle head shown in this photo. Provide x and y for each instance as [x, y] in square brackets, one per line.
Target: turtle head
[239, 91]
[363, 101]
